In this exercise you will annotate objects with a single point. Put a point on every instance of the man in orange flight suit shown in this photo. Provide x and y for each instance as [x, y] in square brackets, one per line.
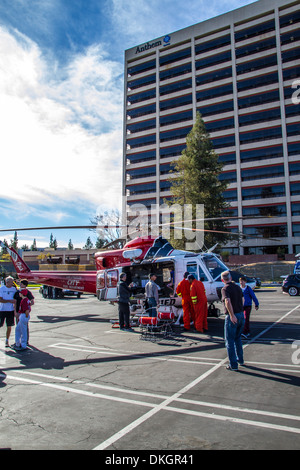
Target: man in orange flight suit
[199, 300]
[183, 290]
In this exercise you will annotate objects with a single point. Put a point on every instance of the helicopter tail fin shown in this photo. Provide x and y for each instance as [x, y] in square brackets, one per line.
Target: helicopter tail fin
[20, 266]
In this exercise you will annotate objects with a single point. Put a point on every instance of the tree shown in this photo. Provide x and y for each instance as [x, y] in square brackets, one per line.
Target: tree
[14, 242]
[113, 232]
[53, 242]
[33, 246]
[196, 181]
[88, 245]
[70, 245]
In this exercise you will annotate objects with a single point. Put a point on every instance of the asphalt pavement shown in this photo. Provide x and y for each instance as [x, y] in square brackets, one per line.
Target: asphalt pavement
[85, 385]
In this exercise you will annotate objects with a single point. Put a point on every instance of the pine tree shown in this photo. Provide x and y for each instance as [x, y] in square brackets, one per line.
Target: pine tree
[196, 181]
[70, 245]
[89, 244]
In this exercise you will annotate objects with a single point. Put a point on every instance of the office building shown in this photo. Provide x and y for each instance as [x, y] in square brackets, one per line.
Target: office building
[241, 71]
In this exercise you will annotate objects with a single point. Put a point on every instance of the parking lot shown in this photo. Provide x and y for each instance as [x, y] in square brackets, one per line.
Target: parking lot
[85, 385]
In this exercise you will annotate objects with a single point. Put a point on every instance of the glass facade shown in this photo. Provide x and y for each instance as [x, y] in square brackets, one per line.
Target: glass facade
[251, 113]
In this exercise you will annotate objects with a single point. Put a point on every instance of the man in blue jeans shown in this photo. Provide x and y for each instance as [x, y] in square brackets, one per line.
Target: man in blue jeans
[232, 296]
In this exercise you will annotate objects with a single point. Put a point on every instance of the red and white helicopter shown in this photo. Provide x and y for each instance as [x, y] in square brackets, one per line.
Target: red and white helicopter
[138, 258]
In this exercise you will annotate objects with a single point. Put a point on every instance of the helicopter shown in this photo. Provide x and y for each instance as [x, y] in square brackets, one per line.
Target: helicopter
[138, 258]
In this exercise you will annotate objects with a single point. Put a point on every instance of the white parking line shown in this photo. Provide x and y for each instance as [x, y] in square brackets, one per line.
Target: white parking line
[177, 395]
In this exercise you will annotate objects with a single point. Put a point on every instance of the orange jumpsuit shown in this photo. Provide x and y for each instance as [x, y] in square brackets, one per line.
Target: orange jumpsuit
[200, 305]
[183, 290]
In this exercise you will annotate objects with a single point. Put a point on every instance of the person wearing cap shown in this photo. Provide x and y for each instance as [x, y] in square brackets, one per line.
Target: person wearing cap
[183, 291]
[22, 326]
[199, 300]
[7, 306]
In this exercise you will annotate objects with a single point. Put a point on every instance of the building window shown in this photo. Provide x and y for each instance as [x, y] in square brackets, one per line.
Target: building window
[219, 108]
[258, 135]
[257, 81]
[176, 102]
[141, 173]
[228, 176]
[141, 141]
[141, 189]
[212, 44]
[140, 82]
[289, 19]
[296, 230]
[292, 54]
[266, 231]
[219, 74]
[227, 158]
[213, 60]
[175, 72]
[278, 210]
[258, 99]
[264, 192]
[175, 134]
[293, 129]
[295, 208]
[141, 157]
[144, 67]
[143, 96]
[230, 195]
[256, 30]
[225, 141]
[254, 48]
[261, 153]
[175, 118]
[294, 149]
[295, 189]
[294, 168]
[175, 87]
[141, 126]
[139, 112]
[219, 125]
[264, 172]
[262, 116]
[256, 64]
[167, 152]
[211, 93]
[179, 55]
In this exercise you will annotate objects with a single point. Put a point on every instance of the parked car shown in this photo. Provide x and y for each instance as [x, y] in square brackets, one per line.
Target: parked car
[291, 284]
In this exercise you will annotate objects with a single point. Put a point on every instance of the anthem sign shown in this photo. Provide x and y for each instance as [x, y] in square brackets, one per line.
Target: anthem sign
[152, 45]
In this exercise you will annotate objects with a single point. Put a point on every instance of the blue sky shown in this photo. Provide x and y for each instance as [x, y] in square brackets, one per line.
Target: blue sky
[61, 104]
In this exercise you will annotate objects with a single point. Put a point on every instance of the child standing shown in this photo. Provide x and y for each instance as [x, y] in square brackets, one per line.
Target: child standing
[22, 326]
[249, 296]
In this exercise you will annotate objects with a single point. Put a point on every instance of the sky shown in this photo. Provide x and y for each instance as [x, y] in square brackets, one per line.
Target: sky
[61, 105]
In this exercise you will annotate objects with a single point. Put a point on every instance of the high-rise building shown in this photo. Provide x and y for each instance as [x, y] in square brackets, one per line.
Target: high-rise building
[241, 71]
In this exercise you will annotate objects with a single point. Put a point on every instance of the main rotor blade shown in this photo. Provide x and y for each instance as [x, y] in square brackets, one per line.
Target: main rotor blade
[63, 227]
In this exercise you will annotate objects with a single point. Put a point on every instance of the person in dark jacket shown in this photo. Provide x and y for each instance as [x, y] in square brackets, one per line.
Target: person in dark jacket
[123, 302]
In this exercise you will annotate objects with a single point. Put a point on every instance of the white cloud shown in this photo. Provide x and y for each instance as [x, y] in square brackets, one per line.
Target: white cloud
[61, 139]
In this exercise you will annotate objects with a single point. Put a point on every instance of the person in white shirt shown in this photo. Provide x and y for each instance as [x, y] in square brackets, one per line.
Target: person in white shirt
[7, 306]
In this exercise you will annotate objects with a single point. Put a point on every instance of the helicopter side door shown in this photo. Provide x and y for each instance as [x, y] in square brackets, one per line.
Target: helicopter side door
[111, 284]
[200, 272]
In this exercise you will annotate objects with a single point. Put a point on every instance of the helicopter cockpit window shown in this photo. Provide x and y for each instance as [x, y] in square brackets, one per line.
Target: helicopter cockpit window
[197, 271]
[214, 265]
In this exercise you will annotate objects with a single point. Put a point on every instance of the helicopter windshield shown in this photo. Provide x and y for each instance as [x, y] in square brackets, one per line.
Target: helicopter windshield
[214, 265]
